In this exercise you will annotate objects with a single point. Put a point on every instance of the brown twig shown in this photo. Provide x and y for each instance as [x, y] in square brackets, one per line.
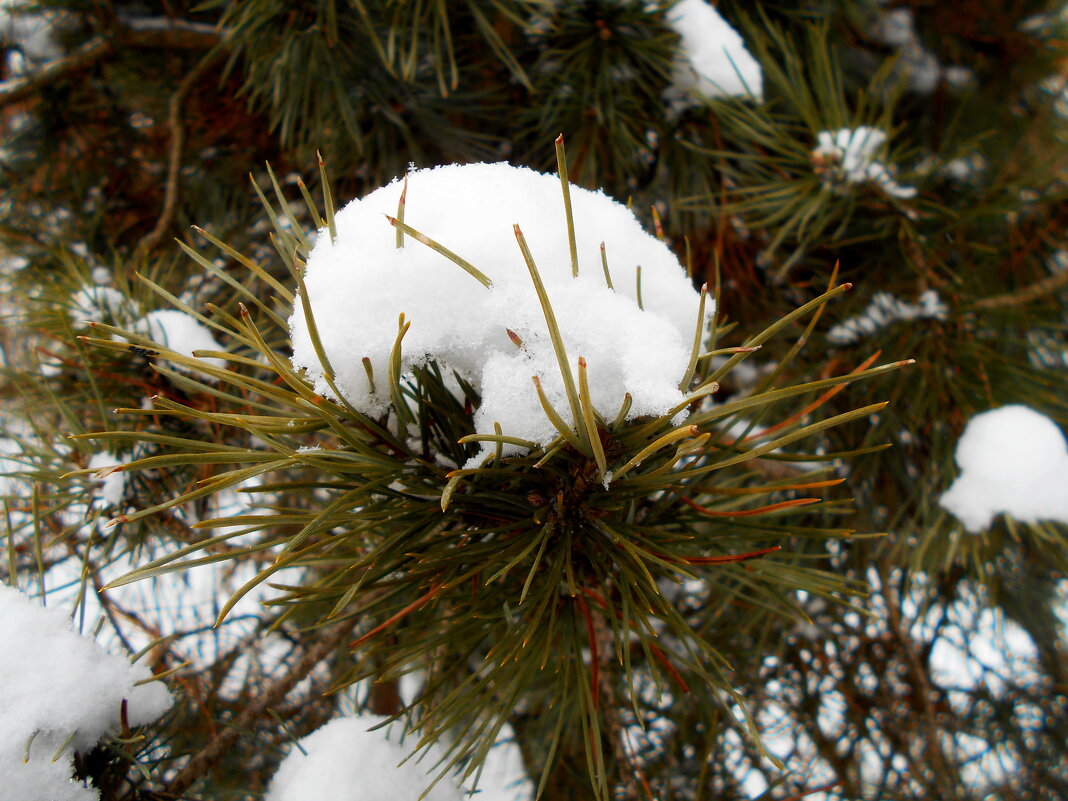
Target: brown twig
[16, 89]
[922, 686]
[1039, 289]
[148, 33]
[602, 649]
[274, 693]
[174, 157]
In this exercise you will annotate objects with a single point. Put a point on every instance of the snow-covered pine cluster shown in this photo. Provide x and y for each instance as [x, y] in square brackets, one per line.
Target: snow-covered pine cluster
[562, 474]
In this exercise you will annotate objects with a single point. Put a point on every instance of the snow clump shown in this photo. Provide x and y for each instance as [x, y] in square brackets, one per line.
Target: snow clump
[359, 283]
[343, 761]
[847, 156]
[1014, 460]
[60, 693]
[712, 59]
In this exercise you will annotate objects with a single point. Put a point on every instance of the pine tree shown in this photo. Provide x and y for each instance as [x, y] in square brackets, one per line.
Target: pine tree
[770, 598]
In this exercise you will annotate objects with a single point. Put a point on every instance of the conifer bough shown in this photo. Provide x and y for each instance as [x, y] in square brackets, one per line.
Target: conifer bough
[510, 472]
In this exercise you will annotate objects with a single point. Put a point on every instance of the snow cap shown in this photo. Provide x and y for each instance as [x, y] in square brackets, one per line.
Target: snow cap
[360, 283]
[1012, 460]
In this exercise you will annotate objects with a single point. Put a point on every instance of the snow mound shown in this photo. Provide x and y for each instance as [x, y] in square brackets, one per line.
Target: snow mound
[847, 156]
[346, 762]
[1012, 460]
[360, 283]
[56, 684]
[713, 60]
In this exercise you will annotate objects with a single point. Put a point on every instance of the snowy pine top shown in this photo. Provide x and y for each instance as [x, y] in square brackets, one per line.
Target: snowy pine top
[1012, 460]
[359, 284]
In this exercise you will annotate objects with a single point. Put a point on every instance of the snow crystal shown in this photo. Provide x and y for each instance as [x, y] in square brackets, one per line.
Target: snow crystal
[847, 156]
[346, 762]
[359, 284]
[59, 693]
[883, 311]
[181, 333]
[713, 60]
[1012, 460]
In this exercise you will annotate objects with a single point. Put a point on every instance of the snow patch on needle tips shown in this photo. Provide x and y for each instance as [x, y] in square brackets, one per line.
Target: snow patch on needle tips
[848, 156]
[488, 325]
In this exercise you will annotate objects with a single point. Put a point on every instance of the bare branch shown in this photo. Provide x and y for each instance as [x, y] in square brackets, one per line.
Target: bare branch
[272, 695]
[149, 33]
[16, 89]
[1039, 289]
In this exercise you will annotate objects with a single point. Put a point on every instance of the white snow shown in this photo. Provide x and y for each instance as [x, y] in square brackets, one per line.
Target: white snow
[30, 34]
[359, 284]
[847, 156]
[346, 762]
[112, 483]
[181, 333]
[99, 304]
[883, 311]
[713, 60]
[1012, 460]
[59, 693]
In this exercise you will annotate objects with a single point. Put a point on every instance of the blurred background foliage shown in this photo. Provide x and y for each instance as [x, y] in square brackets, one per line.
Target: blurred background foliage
[144, 119]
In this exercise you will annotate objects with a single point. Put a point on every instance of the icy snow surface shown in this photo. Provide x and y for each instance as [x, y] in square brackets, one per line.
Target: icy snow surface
[713, 61]
[1012, 460]
[359, 284]
[847, 156]
[54, 683]
[346, 762]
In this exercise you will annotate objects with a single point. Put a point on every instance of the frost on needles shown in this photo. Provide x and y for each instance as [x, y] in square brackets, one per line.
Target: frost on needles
[360, 282]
